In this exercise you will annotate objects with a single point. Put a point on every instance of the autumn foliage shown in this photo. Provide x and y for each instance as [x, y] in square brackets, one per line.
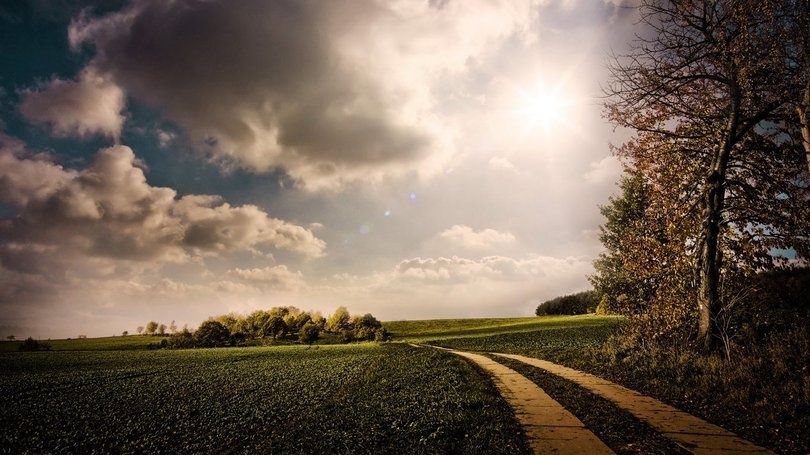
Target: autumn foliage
[716, 178]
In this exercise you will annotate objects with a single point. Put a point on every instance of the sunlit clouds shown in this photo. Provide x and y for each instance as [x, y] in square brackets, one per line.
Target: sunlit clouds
[410, 159]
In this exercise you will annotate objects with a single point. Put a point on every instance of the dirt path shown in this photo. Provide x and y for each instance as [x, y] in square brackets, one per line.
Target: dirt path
[549, 427]
[688, 431]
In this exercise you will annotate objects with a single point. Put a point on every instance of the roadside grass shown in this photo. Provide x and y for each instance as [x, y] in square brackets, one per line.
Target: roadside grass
[366, 398]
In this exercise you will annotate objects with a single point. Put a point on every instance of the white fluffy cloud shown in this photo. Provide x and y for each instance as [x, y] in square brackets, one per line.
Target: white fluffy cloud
[605, 170]
[90, 105]
[459, 287]
[469, 238]
[501, 163]
[276, 277]
[108, 211]
[328, 91]
[491, 268]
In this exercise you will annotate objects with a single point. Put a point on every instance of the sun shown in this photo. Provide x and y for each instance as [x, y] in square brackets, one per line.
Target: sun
[544, 106]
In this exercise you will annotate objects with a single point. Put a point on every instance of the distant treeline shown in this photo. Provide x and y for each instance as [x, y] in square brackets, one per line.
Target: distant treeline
[277, 325]
[580, 303]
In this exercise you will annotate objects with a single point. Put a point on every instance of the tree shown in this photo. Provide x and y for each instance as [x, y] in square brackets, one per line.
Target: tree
[364, 327]
[11, 338]
[234, 322]
[275, 327]
[308, 333]
[124, 333]
[139, 329]
[318, 319]
[579, 303]
[296, 321]
[211, 333]
[626, 234]
[151, 327]
[339, 320]
[161, 329]
[256, 324]
[707, 94]
[172, 327]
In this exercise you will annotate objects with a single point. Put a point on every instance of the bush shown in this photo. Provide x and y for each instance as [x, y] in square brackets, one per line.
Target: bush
[31, 344]
[308, 333]
[381, 335]
[211, 334]
[604, 307]
[579, 303]
[181, 340]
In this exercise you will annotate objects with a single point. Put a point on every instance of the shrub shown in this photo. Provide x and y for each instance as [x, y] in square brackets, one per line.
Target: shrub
[308, 333]
[381, 334]
[347, 336]
[31, 344]
[183, 339]
[604, 306]
[211, 333]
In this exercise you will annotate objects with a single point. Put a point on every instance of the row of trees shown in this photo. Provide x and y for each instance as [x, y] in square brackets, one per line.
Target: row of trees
[155, 328]
[279, 323]
[580, 303]
[715, 188]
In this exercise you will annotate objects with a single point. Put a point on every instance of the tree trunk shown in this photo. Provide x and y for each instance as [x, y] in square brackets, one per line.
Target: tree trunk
[802, 109]
[710, 258]
[709, 302]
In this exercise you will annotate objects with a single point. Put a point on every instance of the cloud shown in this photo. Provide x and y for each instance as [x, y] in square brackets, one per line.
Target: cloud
[108, 212]
[470, 238]
[90, 105]
[493, 268]
[278, 277]
[500, 163]
[328, 91]
[605, 170]
[458, 287]
[165, 138]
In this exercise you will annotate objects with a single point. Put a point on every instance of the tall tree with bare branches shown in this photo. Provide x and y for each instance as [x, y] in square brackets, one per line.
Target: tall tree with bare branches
[711, 89]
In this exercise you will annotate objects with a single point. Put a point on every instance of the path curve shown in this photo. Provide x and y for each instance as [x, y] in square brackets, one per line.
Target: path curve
[549, 427]
[691, 433]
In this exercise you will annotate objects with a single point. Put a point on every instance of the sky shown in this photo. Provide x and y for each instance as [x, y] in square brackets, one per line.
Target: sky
[174, 160]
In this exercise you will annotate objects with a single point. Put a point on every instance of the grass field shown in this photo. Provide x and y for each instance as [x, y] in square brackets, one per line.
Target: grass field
[331, 399]
[561, 339]
[433, 330]
[114, 395]
[445, 329]
[91, 344]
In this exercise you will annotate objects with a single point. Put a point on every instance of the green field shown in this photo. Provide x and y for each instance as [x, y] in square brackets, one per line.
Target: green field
[91, 344]
[335, 399]
[113, 395]
[435, 330]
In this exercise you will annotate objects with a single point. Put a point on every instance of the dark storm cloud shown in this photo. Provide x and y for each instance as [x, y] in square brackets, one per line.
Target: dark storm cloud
[261, 85]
